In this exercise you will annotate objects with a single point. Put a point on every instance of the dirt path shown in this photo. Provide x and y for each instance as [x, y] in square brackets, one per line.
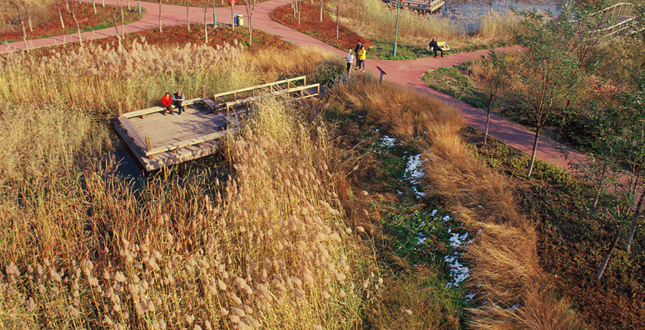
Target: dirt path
[405, 73]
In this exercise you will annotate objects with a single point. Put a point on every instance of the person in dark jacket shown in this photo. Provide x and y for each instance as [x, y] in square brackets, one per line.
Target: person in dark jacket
[178, 100]
[166, 102]
[434, 47]
[358, 46]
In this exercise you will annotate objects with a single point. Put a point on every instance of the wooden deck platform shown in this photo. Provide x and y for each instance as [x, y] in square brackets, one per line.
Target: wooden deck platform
[175, 138]
[158, 139]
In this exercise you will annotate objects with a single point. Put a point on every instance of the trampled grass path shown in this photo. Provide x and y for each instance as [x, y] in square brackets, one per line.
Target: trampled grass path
[405, 73]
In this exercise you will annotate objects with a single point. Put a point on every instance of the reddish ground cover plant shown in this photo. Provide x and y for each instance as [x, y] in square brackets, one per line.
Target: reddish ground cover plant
[48, 23]
[179, 35]
[311, 25]
[200, 3]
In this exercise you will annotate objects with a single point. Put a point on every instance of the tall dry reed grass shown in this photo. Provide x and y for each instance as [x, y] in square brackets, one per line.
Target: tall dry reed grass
[82, 248]
[503, 259]
[375, 20]
[97, 78]
[268, 248]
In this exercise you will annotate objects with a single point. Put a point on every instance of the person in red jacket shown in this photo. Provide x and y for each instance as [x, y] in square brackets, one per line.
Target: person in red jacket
[166, 101]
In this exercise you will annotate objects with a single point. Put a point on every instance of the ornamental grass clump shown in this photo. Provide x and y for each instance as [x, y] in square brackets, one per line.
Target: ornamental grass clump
[504, 268]
[267, 248]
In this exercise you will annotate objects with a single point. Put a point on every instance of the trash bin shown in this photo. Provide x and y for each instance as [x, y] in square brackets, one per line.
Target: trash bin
[238, 20]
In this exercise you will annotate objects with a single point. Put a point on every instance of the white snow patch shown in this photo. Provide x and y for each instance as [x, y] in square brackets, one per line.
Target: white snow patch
[458, 240]
[470, 295]
[414, 171]
[434, 212]
[445, 218]
[388, 142]
[458, 272]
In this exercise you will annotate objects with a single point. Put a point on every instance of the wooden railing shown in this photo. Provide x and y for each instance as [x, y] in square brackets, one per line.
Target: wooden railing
[625, 26]
[428, 6]
[228, 100]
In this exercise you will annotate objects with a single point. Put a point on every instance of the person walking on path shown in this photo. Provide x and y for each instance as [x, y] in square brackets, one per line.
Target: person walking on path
[166, 102]
[358, 46]
[350, 59]
[434, 47]
[178, 100]
[360, 58]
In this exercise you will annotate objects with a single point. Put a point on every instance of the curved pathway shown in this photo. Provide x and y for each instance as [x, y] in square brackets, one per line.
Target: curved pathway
[406, 73]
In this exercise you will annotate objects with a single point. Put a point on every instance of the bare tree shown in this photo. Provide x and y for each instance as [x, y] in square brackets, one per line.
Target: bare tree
[205, 4]
[321, 9]
[72, 10]
[94, 5]
[122, 20]
[250, 7]
[187, 17]
[22, 23]
[116, 27]
[160, 26]
[494, 77]
[60, 13]
[24, 5]
[337, 21]
[232, 2]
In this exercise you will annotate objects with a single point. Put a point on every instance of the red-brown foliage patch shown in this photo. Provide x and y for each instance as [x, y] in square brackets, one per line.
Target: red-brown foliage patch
[311, 25]
[200, 3]
[49, 23]
[173, 36]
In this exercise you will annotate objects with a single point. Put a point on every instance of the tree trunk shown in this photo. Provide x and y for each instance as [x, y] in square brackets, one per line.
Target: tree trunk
[321, 9]
[116, 28]
[250, 30]
[67, 5]
[605, 261]
[31, 27]
[129, 8]
[299, 9]
[103, 3]
[78, 27]
[535, 144]
[122, 21]
[187, 20]
[490, 103]
[232, 17]
[160, 26]
[601, 183]
[94, 6]
[205, 25]
[337, 21]
[22, 26]
[60, 14]
[637, 217]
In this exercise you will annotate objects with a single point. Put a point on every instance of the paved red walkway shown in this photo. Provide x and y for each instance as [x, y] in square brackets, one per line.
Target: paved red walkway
[405, 73]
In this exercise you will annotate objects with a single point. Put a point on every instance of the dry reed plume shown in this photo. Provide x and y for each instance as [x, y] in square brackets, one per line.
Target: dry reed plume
[97, 78]
[503, 258]
[375, 20]
[84, 249]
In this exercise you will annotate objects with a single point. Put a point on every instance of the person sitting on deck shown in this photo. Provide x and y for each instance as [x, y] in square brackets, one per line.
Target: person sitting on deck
[177, 100]
[166, 102]
[434, 47]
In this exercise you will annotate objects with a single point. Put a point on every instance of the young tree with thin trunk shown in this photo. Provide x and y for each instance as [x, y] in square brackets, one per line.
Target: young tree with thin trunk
[205, 4]
[250, 8]
[337, 24]
[494, 79]
[60, 13]
[188, 15]
[122, 21]
[546, 76]
[232, 2]
[22, 23]
[94, 5]
[321, 9]
[72, 10]
[160, 26]
[31, 27]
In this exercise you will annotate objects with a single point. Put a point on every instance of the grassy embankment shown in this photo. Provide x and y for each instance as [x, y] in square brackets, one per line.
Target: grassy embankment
[511, 287]
[377, 21]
